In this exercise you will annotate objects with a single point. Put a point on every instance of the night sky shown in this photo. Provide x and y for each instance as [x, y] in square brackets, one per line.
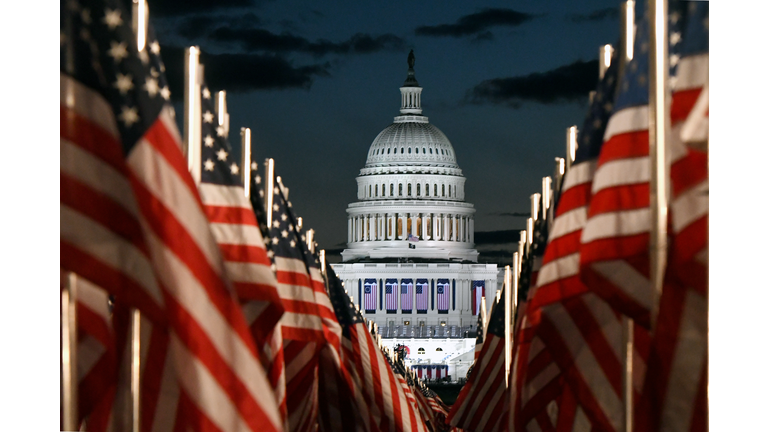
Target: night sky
[317, 81]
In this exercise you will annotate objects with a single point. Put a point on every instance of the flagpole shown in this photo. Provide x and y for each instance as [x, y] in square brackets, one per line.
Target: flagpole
[221, 109]
[69, 353]
[269, 186]
[140, 25]
[192, 111]
[245, 147]
[657, 135]
[571, 135]
[508, 319]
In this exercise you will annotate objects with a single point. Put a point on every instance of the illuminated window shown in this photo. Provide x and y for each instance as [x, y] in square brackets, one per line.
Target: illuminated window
[439, 349]
[421, 351]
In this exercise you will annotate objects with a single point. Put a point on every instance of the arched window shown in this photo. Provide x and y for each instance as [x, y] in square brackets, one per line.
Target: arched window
[400, 189]
[424, 150]
[417, 150]
[438, 349]
[418, 189]
[391, 189]
[383, 189]
[377, 190]
[449, 191]
[426, 189]
[409, 189]
[443, 194]
[388, 150]
[402, 150]
[421, 351]
[370, 191]
[409, 150]
[435, 189]
[430, 150]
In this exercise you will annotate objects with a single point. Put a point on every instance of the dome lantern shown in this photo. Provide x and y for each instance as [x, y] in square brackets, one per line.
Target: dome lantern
[410, 92]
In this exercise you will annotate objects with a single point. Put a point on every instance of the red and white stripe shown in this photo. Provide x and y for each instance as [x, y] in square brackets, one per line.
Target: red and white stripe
[370, 371]
[615, 239]
[234, 226]
[483, 403]
[677, 372]
[171, 259]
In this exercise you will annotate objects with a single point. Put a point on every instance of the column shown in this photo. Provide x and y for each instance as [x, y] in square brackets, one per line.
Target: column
[388, 230]
[445, 228]
[472, 230]
[404, 225]
[414, 217]
[358, 227]
[454, 224]
[349, 229]
[424, 232]
[365, 227]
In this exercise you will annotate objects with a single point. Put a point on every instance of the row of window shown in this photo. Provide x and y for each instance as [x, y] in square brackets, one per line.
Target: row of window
[373, 190]
[402, 151]
[406, 295]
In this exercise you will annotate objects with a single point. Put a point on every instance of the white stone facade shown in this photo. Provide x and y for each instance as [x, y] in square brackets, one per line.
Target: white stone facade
[411, 240]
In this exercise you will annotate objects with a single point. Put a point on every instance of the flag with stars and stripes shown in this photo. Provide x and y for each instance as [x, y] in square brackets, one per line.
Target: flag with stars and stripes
[443, 295]
[370, 371]
[483, 403]
[132, 221]
[390, 295]
[406, 294]
[675, 391]
[422, 295]
[235, 228]
[566, 333]
[369, 294]
[479, 338]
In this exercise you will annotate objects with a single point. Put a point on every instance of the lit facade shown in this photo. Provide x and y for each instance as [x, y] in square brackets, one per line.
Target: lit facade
[410, 264]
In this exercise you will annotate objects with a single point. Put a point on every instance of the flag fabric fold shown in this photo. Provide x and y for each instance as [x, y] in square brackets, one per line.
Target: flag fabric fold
[132, 221]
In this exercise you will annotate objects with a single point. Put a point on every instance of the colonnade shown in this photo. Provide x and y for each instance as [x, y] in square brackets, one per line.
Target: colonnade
[424, 226]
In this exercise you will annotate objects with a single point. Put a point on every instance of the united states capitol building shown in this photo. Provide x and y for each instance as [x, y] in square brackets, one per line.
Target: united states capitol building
[410, 263]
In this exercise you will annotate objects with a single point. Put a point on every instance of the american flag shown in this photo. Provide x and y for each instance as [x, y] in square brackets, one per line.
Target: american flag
[483, 403]
[370, 370]
[406, 295]
[235, 228]
[422, 295]
[132, 221]
[478, 292]
[313, 323]
[615, 240]
[479, 338]
[369, 294]
[101, 340]
[564, 324]
[390, 296]
[443, 295]
[675, 391]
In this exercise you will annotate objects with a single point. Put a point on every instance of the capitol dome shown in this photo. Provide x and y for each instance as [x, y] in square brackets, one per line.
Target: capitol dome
[411, 190]
[411, 140]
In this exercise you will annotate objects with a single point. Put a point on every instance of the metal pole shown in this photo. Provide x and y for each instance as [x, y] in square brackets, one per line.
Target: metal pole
[269, 188]
[299, 223]
[571, 146]
[140, 21]
[221, 109]
[311, 240]
[192, 107]
[535, 198]
[136, 371]
[606, 51]
[521, 244]
[627, 330]
[508, 320]
[245, 146]
[140, 24]
[546, 196]
[69, 353]
[657, 136]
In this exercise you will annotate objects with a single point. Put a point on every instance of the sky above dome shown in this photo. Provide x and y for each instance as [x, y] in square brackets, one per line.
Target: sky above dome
[317, 81]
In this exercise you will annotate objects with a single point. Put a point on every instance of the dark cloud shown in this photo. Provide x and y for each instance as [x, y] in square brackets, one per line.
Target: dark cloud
[496, 237]
[257, 39]
[198, 26]
[598, 15]
[242, 72]
[174, 7]
[476, 23]
[569, 83]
